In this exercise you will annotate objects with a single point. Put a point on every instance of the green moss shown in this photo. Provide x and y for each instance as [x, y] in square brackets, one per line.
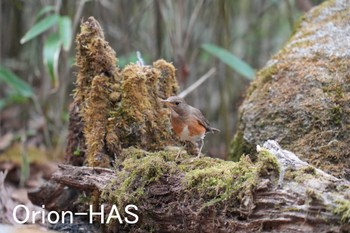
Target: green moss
[211, 180]
[139, 169]
[236, 147]
[267, 162]
[239, 147]
[297, 25]
[343, 209]
[336, 114]
[263, 76]
[300, 175]
[193, 164]
[223, 181]
[207, 181]
[236, 181]
[308, 170]
[266, 74]
[77, 152]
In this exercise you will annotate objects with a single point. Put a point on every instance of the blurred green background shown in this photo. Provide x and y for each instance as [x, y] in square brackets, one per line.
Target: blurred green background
[37, 71]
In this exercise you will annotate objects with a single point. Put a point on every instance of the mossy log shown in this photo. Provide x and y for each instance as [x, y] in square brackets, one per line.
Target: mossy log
[277, 193]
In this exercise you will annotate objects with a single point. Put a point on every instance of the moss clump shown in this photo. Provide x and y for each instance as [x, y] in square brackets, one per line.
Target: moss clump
[95, 120]
[134, 103]
[207, 179]
[267, 162]
[223, 181]
[343, 209]
[96, 61]
[265, 74]
[236, 181]
[94, 56]
[301, 175]
[236, 147]
[239, 146]
[140, 119]
[167, 80]
[139, 169]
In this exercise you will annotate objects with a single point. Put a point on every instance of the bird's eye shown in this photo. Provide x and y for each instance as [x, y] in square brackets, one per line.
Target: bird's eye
[177, 103]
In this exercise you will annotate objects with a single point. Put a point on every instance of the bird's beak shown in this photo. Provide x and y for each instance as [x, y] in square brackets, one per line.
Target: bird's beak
[166, 102]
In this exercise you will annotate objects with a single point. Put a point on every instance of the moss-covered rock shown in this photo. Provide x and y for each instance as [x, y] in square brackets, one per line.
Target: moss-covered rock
[301, 98]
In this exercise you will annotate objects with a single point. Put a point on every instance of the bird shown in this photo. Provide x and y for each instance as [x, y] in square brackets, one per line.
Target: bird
[188, 123]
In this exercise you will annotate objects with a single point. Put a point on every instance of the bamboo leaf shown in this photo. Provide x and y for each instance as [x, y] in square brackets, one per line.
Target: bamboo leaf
[51, 52]
[15, 83]
[43, 11]
[40, 27]
[65, 32]
[231, 60]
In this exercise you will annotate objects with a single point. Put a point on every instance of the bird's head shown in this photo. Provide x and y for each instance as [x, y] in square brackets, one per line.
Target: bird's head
[177, 104]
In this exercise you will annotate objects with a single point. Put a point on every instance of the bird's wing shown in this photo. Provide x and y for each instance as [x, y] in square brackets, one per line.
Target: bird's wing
[201, 119]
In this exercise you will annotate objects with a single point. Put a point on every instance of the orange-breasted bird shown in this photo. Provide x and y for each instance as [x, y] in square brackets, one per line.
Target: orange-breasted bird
[188, 122]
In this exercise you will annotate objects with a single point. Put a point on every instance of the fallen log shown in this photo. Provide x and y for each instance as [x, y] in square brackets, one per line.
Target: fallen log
[211, 195]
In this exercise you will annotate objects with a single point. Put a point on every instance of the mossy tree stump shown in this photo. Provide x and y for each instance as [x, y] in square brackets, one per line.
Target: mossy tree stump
[113, 108]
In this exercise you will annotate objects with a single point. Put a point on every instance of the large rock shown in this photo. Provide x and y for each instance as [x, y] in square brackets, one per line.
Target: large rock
[301, 98]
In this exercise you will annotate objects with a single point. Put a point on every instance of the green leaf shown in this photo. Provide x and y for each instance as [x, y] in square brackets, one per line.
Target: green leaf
[43, 11]
[14, 82]
[52, 48]
[40, 27]
[231, 60]
[65, 31]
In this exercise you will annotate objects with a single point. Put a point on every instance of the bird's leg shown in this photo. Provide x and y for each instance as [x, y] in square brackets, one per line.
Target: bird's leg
[200, 149]
[180, 150]
[178, 153]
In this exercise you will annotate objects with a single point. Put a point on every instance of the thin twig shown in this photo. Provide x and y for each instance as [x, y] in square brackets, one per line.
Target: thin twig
[197, 83]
